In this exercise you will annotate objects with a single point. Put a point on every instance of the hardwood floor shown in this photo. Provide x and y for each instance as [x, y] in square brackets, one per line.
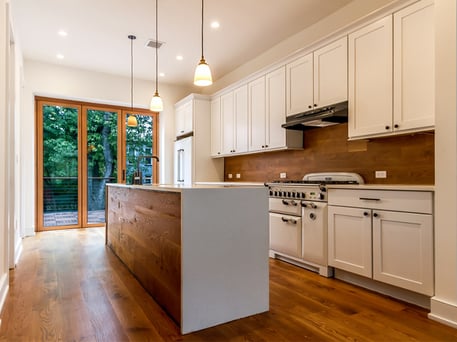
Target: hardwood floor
[68, 286]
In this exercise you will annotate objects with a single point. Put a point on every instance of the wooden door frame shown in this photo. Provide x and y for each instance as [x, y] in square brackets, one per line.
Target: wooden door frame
[39, 209]
[82, 151]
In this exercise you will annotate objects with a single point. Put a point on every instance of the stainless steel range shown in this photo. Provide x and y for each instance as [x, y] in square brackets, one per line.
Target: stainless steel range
[298, 218]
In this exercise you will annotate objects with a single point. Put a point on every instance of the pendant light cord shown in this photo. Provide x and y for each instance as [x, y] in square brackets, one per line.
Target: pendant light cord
[202, 29]
[131, 37]
[157, 42]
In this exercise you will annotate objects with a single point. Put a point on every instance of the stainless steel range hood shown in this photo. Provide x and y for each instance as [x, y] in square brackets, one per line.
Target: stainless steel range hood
[321, 117]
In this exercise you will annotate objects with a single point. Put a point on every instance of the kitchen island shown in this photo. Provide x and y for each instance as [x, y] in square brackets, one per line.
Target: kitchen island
[201, 251]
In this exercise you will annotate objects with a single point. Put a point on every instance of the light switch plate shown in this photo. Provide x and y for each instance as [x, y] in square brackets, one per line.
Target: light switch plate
[238, 176]
[283, 175]
[230, 176]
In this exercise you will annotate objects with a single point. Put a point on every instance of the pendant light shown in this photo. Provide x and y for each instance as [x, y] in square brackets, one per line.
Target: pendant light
[202, 75]
[156, 101]
[131, 120]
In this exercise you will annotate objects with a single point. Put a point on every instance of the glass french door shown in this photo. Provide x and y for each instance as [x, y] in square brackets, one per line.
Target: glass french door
[81, 148]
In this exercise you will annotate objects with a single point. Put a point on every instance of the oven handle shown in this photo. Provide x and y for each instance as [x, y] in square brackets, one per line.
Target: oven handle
[291, 202]
[284, 219]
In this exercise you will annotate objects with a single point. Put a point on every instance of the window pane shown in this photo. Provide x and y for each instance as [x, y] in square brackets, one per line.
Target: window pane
[60, 166]
[139, 142]
[101, 160]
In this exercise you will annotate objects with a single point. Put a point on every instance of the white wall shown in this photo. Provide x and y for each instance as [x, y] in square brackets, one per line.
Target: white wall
[71, 83]
[4, 242]
[444, 304]
[337, 21]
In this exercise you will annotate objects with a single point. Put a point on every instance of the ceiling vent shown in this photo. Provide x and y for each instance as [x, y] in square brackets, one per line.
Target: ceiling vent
[152, 43]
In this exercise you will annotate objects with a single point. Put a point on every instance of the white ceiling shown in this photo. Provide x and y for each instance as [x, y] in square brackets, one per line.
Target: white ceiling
[98, 29]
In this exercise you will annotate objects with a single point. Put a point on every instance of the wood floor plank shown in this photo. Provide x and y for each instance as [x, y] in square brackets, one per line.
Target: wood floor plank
[68, 286]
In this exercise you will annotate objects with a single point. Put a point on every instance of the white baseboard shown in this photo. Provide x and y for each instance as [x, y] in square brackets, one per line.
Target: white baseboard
[443, 312]
[4, 287]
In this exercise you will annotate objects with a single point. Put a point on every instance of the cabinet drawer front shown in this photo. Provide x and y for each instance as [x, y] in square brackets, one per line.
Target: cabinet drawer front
[410, 201]
[285, 234]
[286, 206]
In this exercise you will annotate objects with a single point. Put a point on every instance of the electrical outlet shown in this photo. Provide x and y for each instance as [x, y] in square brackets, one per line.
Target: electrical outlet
[238, 176]
[230, 176]
[283, 175]
[380, 174]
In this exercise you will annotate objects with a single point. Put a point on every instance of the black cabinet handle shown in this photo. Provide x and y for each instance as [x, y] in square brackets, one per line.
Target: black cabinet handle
[369, 199]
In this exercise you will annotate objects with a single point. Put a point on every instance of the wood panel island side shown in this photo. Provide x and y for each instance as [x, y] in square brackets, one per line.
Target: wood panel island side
[200, 251]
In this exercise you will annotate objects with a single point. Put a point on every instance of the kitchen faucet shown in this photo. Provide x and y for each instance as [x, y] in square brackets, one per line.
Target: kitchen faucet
[137, 176]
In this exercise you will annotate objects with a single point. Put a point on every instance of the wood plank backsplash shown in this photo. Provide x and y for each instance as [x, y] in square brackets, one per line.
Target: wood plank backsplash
[408, 159]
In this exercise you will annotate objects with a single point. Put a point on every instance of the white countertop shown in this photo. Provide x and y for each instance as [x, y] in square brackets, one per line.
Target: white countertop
[180, 187]
[400, 187]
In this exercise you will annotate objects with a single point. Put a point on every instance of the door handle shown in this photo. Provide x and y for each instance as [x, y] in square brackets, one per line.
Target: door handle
[285, 219]
[123, 175]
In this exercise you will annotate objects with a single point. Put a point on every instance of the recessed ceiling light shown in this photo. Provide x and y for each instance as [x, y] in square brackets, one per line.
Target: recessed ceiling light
[179, 57]
[62, 33]
[60, 56]
[215, 24]
[161, 74]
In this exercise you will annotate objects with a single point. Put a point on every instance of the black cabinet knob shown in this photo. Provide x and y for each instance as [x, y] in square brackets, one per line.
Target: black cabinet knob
[310, 106]
[387, 127]
[365, 213]
[396, 126]
[375, 215]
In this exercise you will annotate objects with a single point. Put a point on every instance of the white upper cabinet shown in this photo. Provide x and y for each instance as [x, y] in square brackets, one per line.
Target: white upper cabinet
[257, 117]
[414, 71]
[240, 99]
[300, 85]
[317, 79]
[391, 80]
[276, 108]
[216, 139]
[267, 112]
[184, 118]
[234, 116]
[228, 123]
[331, 73]
[370, 79]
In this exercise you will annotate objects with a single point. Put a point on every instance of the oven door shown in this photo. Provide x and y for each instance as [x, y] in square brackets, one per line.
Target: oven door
[285, 234]
[314, 223]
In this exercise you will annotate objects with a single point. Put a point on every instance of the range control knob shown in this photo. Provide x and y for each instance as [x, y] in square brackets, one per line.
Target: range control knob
[303, 195]
[321, 196]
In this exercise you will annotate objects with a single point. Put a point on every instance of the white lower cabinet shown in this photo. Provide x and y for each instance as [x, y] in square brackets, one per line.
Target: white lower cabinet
[384, 235]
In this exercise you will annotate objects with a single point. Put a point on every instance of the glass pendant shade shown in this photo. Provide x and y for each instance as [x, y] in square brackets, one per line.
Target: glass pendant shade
[202, 75]
[156, 103]
[132, 121]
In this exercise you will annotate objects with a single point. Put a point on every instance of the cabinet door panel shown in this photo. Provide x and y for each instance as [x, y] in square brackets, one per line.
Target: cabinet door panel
[216, 140]
[184, 119]
[370, 79]
[257, 121]
[403, 250]
[240, 96]
[331, 73]
[300, 85]
[228, 123]
[276, 108]
[414, 65]
[314, 236]
[349, 240]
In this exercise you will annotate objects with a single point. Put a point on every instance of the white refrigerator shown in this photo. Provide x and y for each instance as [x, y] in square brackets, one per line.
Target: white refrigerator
[183, 161]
